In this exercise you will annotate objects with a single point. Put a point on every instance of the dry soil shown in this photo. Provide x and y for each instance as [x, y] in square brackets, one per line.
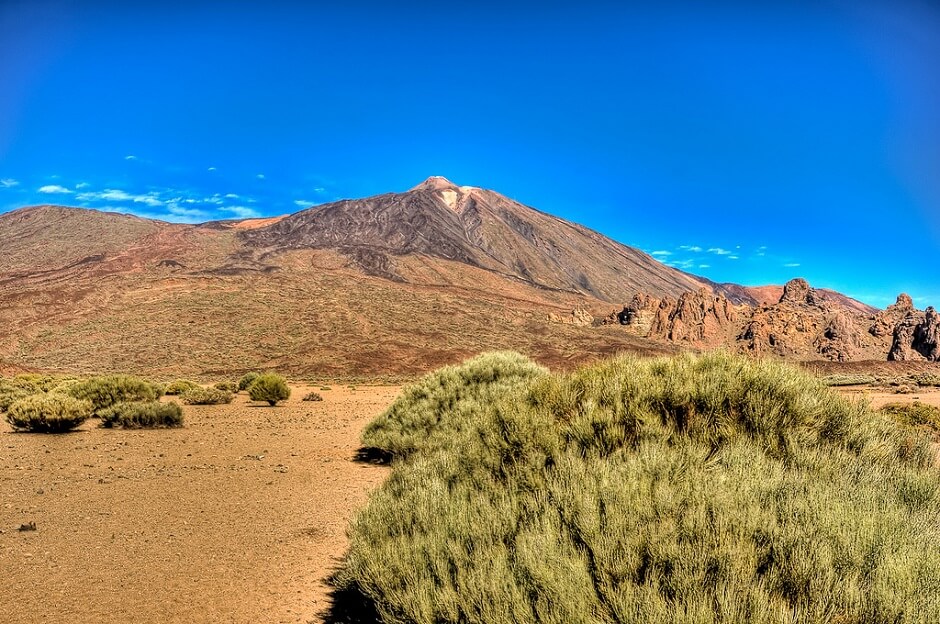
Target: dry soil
[240, 516]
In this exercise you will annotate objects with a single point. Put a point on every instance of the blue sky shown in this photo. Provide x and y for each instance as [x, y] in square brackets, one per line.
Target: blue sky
[746, 142]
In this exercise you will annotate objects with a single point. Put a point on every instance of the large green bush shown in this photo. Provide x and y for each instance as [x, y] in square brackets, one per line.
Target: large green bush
[152, 414]
[206, 396]
[269, 387]
[689, 489]
[179, 387]
[445, 401]
[104, 391]
[48, 413]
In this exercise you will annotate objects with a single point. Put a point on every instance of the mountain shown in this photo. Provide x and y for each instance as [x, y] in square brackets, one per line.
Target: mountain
[479, 228]
[384, 286]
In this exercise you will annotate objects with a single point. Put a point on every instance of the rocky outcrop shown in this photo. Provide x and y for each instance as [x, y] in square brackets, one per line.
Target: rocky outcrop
[884, 322]
[578, 317]
[638, 315]
[916, 337]
[698, 317]
[839, 339]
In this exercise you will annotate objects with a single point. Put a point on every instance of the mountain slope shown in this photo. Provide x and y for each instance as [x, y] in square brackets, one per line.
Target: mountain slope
[477, 227]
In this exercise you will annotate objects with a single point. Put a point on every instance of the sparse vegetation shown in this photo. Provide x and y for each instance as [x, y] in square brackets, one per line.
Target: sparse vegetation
[325, 388]
[179, 387]
[48, 413]
[206, 396]
[928, 379]
[689, 489]
[152, 414]
[227, 386]
[246, 380]
[104, 391]
[312, 396]
[269, 387]
[849, 380]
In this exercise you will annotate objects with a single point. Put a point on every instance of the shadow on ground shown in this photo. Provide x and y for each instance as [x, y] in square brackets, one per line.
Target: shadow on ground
[370, 455]
[349, 606]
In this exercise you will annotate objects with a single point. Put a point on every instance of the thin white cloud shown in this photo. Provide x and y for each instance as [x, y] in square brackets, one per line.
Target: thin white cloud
[54, 188]
[260, 176]
[211, 169]
[82, 185]
[319, 189]
[117, 195]
[303, 203]
[9, 183]
[692, 248]
[791, 265]
[661, 252]
[732, 257]
[231, 196]
[242, 212]
[130, 157]
[718, 251]
[704, 266]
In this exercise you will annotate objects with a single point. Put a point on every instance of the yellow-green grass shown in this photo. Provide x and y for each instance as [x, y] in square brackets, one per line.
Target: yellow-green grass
[690, 489]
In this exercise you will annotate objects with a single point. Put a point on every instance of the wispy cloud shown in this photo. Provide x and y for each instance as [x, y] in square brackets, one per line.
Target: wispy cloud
[231, 196]
[130, 157]
[303, 203]
[55, 189]
[732, 257]
[9, 183]
[718, 251]
[242, 212]
[82, 185]
[704, 266]
[211, 169]
[692, 248]
[117, 195]
[791, 265]
[260, 176]
[661, 252]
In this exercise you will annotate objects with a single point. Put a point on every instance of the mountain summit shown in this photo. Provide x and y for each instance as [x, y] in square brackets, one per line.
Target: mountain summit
[477, 227]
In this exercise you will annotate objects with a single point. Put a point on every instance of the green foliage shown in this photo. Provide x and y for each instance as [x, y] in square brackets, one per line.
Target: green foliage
[928, 379]
[246, 380]
[206, 396]
[152, 414]
[849, 380]
[227, 386]
[269, 387]
[105, 391]
[48, 413]
[10, 394]
[180, 386]
[689, 489]
[312, 396]
[914, 414]
[445, 401]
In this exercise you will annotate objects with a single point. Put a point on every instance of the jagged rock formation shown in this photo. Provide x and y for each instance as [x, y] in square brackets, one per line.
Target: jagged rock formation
[803, 323]
[579, 317]
[916, 337]
[697, 317]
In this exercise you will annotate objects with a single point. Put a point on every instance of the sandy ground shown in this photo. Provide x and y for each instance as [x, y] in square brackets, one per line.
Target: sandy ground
[879, 397]
[238, 517]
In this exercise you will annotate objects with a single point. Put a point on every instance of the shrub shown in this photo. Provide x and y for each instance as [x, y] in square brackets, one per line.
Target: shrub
[152, 414]
[10, 394]
[48, 413]
[928, 379]
[312, 396]
[103, 392]
[914, 414]
[246, 380]
[227, 386]
[325, 388]
[848, 380]
[180, 386]
[269, 387]
[689, 489]
[444, 401]
[206, 396]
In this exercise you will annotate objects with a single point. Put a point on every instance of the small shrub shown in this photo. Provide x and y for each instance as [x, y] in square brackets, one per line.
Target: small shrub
[914, 414]
[159, 389]
[48, 413]
[227, 386]
[152, 414]
[312, 396]
[269, 387]
[105, 391]
[207, 396]
[848, 380]
[246, 380]
[325, 388]
[180, 386]
[928, 379]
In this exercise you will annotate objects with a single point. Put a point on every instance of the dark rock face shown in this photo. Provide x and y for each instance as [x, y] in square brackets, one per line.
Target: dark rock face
[917, 337]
